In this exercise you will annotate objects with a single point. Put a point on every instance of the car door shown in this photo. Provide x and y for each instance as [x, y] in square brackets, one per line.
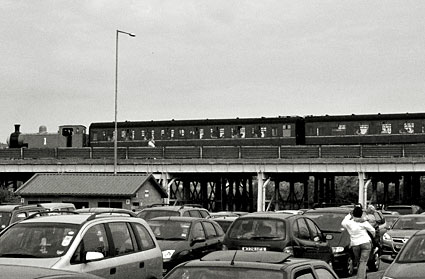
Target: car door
[198, 240]
[304, 246]
[213, 242]
[324, 251]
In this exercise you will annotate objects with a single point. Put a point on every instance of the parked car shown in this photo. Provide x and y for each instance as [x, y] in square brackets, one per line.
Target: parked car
[173, 210]
[185, 238]
[260, 264]
[109, 246]
[225, 222]
[227, 214]
[329, 220]
[404, 209]
[11, 213]
[294, 234]
[410, 261]
[58, 206]
[32, 272]
[403, 228]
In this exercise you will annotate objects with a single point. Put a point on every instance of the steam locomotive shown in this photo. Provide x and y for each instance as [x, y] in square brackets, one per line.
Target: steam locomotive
[402, 128]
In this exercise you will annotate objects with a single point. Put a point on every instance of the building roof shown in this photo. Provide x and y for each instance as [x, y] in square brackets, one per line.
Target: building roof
[87, 184]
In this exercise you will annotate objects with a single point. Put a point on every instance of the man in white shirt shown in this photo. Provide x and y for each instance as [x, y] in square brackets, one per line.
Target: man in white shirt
[359, 238]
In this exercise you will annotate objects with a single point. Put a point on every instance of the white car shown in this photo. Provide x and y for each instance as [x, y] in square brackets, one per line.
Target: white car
[109, 246]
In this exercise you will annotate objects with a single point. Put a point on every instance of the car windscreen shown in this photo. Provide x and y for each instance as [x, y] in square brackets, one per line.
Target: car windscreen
[4, 219]
[327, 221]
[149, 214]
[37, 240]
[223, 272]
[170, 230]
[414, 250]
[409, 223]
[257, 228]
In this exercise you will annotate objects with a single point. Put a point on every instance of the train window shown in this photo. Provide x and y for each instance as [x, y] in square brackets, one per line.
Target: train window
[162, 133]
[94, 136]
[274, 132]
[408, 128]
[385, 128]
[143, 134]
[286, 130]
[172, 133]
[132, 134]
[152, 134]
[221, 132]
[213, 133]
[263, 131]
[242, 132]
[363, 129]
[339, 130]
[181, 133]
[201, 133]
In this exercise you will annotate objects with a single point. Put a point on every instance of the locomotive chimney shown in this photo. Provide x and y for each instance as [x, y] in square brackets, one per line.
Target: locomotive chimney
[17, 128]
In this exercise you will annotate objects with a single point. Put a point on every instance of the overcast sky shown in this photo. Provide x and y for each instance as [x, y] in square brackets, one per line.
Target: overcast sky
[195, 59]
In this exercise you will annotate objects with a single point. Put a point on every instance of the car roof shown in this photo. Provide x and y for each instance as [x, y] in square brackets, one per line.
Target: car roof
[172, 208]
[10, 207]
[77, 219]
[259, 259]
[411, 216]
[225, 218]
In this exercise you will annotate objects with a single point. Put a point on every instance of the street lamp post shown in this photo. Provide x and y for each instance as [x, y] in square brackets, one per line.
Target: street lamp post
[116, 98]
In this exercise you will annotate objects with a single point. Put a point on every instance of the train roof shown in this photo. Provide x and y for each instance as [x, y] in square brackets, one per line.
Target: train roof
[365, 117]
[199, 122]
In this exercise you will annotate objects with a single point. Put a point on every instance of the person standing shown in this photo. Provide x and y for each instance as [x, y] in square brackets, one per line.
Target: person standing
[359, 239]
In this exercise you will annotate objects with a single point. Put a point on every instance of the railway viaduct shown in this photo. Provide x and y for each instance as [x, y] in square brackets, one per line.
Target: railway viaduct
[249, 184]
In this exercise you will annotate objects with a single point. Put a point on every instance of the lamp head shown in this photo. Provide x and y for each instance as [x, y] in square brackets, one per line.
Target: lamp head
[132, 34]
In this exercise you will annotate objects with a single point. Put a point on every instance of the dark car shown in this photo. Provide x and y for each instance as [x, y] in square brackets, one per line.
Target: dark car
[173, 210]
[404, 209]
[234, 264]
[410, 261]
[225, 222]
[185, 238]
[11, 213]
[295, 234]
[400, 232]
[329, 220]
[32, 272]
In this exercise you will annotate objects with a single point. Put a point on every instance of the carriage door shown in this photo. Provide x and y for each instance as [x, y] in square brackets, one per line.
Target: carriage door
[67, 133]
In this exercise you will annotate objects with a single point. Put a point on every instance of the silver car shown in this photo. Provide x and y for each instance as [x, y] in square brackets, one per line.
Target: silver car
[109, 246]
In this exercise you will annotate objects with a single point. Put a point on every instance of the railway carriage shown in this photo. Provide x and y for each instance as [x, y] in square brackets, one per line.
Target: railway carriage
[209, 132]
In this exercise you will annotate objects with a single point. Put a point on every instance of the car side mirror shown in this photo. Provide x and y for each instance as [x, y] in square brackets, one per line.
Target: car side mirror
[93, 256]
[387, 258]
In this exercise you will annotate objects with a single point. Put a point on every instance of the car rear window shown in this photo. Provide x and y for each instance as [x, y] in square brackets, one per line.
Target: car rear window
[327, 221]
[257, 228]
[170, 230]
[149, 214]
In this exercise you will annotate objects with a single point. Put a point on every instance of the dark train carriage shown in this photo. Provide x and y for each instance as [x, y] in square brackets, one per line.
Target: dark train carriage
[66, 136]
[365, 129]
[209, 132]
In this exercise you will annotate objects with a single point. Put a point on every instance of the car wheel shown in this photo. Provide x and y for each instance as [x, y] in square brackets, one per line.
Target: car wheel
[374, 262]
[349, 267]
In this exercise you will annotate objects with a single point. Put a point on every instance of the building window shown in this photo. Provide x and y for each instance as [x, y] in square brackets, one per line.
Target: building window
[386, 128]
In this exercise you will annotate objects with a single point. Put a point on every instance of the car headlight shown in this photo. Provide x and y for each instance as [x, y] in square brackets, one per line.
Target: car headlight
[386, 237]
[167, 254]
[337, 249]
